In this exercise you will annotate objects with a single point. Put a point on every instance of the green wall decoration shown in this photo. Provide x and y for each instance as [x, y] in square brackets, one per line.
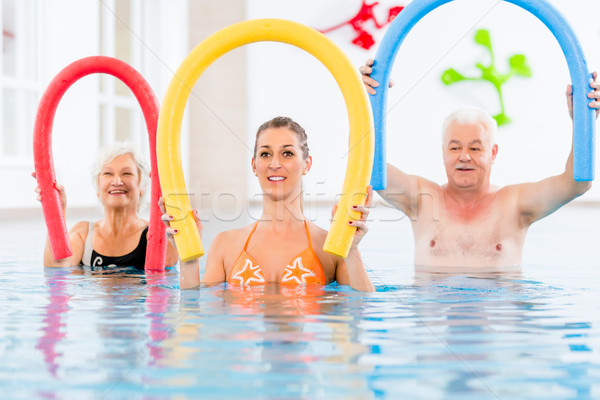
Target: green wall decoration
[518, 66]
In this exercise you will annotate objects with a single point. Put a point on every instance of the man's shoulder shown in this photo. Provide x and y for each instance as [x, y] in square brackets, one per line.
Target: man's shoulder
[426, 183]
[509, 190]
[505, 198]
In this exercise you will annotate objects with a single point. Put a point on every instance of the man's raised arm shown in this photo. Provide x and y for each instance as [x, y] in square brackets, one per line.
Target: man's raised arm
[539, 199]
[401, 189]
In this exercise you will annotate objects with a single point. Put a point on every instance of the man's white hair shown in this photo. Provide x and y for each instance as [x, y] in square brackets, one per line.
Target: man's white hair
[109, 152]
[471, 116]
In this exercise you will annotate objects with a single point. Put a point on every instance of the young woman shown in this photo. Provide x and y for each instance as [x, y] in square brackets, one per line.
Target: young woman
[120, 177]
[282, 246]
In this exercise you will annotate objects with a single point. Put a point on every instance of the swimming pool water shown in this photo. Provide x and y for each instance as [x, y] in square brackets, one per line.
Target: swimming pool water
[122, 334]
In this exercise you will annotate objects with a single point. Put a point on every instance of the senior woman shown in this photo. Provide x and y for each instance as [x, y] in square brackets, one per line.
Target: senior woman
[120, 177]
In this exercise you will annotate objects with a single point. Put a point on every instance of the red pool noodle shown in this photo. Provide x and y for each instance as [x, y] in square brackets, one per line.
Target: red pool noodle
[44, 165]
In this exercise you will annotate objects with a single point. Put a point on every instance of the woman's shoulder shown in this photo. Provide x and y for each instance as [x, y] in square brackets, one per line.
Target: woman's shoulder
[328, 260]
[81, 227]
[316, 231]
[318, 236]
[79, 232]
[232, 237]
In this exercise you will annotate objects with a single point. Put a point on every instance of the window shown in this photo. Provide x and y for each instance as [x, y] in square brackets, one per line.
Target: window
[126, 28]
[19, 81]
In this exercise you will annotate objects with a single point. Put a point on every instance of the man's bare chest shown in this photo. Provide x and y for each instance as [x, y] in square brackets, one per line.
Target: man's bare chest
[489, 236]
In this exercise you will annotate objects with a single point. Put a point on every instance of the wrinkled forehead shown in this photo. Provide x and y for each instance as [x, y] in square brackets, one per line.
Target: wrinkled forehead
[467, 133]
[121, 161]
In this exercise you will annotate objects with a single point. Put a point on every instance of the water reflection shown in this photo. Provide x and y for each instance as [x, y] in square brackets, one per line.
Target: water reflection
[53, 324]
[463, 315]
[270, 340]
[476, 335]
[104, 316]
[157, 307]
[118, 334]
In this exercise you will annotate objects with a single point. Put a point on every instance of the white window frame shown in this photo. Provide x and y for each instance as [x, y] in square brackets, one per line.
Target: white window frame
[23, 86]
[107, 96]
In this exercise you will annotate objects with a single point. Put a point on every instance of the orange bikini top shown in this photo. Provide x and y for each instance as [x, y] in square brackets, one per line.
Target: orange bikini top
[304, 269]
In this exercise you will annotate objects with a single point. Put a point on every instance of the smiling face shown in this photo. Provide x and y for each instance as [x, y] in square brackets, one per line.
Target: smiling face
[468, 154]
[279, 163]
[119, 183]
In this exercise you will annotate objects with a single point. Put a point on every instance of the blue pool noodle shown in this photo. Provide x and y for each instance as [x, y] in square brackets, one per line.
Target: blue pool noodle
[583, 116]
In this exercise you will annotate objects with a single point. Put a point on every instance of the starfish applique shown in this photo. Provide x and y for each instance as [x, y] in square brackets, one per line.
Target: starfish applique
[297, 273]
[250, 273]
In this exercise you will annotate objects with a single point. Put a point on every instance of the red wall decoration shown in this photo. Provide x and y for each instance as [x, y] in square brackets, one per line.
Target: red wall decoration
[364, 39]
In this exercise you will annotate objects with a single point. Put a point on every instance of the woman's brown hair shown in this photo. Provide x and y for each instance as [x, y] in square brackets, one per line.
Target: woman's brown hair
[285, 122]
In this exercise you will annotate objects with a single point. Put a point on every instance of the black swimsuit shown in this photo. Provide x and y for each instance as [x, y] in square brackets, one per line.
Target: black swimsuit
[136, 258]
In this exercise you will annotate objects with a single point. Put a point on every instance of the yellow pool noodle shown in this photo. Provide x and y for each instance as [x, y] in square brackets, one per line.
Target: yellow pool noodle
[361, 142]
